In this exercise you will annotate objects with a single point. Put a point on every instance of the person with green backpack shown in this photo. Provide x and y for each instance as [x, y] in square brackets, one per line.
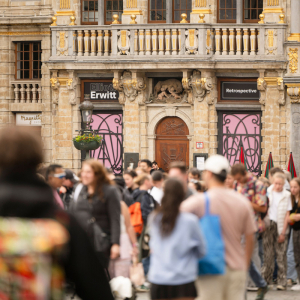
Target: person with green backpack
[231, 217]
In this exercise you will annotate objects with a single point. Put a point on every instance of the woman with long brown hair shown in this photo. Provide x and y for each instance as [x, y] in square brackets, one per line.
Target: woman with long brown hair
[295, 224]
[176, 246]
[98, 210]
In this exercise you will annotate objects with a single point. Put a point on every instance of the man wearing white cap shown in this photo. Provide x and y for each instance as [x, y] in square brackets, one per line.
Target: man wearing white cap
[237, 220]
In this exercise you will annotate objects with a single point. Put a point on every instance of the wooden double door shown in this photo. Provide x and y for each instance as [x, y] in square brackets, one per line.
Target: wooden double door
[171, 143]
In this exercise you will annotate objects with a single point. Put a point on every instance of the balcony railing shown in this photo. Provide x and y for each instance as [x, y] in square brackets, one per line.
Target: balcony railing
[246, 41]
[27, 91]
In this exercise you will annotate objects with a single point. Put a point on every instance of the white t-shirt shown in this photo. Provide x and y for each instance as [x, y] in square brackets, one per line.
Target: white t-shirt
[273, 208]
[157, 194]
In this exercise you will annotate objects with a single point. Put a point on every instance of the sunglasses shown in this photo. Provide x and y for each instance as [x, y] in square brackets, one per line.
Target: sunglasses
[60, 175]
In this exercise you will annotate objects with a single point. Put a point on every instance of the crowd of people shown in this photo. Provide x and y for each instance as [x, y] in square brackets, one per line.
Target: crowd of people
[154, 217]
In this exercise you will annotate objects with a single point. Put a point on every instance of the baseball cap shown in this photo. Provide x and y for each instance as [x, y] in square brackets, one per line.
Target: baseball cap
[71, 176]
[217, 164]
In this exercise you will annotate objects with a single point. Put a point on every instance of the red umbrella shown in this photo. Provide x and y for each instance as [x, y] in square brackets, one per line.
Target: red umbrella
[242, 157]
[269, 165]
[291, 166]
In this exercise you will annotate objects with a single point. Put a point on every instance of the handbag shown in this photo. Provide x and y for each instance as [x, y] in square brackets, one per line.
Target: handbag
[213, 263]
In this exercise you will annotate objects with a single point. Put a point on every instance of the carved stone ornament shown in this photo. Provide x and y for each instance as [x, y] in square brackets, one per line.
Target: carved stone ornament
[271, 41]
[62, 43]
[123, 42]
[191, 41]
[280, 86]
[72, 90]
[55, 89]
[130, 87]
[261, 86]
[294, 93]
[293, 60]
[168, 91]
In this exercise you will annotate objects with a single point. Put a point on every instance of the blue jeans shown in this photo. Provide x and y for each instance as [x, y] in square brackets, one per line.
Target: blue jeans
[291, 266]
[256, 276]
[146, 264]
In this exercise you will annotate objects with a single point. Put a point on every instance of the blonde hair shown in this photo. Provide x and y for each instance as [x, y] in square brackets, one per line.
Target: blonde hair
[280, 175]
[140, 180]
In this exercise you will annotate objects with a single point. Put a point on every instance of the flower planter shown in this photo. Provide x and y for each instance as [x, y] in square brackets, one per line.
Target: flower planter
[93, 145]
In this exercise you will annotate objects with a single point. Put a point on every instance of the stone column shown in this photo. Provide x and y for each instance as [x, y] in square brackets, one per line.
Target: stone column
[239, 11]
[201, 7]
[100, 12]
[295, 21]
[169, 11]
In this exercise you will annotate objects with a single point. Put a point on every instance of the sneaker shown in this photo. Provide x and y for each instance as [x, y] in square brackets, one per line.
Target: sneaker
[142, 289]
[296, 288]
[261, 293]
[281, 288]
[252, 288]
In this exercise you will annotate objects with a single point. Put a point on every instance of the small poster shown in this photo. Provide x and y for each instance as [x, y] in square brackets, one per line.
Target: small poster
[199, 145]
[25, 119]
[200, 163]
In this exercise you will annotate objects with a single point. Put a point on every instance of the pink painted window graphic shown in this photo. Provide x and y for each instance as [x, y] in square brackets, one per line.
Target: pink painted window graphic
[242, 130]
[110, 152]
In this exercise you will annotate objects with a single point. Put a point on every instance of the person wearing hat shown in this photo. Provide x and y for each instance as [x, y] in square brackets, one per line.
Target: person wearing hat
[67, 188]
[237, 220]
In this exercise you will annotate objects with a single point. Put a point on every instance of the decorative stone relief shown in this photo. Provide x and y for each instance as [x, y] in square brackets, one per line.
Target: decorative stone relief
[123, 42]
[55, 89]
[200, 87]
[294, 93]
[296, 118]
[261, 86]
[293, 59]
[129, 88]
[280, 86]
[62, 43]
[168, 91]
[191, 41]
[271, 41]
[72, 83]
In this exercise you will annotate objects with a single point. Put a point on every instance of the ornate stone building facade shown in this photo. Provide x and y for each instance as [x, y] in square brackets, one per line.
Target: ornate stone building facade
[169, 79]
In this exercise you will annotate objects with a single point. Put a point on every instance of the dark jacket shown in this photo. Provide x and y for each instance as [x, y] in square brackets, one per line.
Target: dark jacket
[67, 197]
[24, 195]
[147, 203]
[106, 211]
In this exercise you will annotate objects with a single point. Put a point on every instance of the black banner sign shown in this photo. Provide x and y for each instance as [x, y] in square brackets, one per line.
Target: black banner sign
[102, 91]
[239, 90]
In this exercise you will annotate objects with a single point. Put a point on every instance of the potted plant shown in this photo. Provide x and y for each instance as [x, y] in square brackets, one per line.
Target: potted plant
[87, 142]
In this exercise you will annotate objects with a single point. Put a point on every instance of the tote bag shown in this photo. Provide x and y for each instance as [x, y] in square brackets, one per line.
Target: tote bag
[213, 263]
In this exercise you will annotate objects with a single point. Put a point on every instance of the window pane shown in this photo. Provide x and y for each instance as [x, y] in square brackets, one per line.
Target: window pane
[20, 65]
[183, 4]
[234, 14]
[91, 5]
[108, 16]
[177, 15]
[229, 14]
[228, 3]
[253, 14]
[120, 5]
[234, 3]
[164, 4]
[164, 15]
[35, 74]
[19, 55]
[96, 5]
[35, 65]
[35, 55]
[19, 47]
[253, 3]
[260, 11]
[247, 14]
[85, 5]
[26, 65]
[26, 74]
[26, 47]
[189, 4]
[26, 55]
[115, 5]
[152, 4]
[108, 5]
[35, 47]
[260, 3]
[222, 3]
[159, 4]
[85, 16]
[247, 4]
[176, 4]
[152, 15]
[222, 14]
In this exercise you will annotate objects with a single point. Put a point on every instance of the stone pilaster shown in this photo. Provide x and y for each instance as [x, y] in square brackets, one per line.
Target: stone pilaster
[295, 21]
[202, 7]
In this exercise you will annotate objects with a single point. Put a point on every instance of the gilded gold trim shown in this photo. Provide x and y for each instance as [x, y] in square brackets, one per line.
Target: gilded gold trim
[132, 12]
[63, 81]
[26, 33]
[272, 80]
[273, 10]
[201, 11]
[291, 85]
[65, 13]
[294, 37]
[64, 4]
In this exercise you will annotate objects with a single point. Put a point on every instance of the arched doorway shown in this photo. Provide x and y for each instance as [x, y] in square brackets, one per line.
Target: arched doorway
[171, 142]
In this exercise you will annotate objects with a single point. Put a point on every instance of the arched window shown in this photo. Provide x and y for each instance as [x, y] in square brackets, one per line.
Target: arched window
[181, 7]
[157, 11]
